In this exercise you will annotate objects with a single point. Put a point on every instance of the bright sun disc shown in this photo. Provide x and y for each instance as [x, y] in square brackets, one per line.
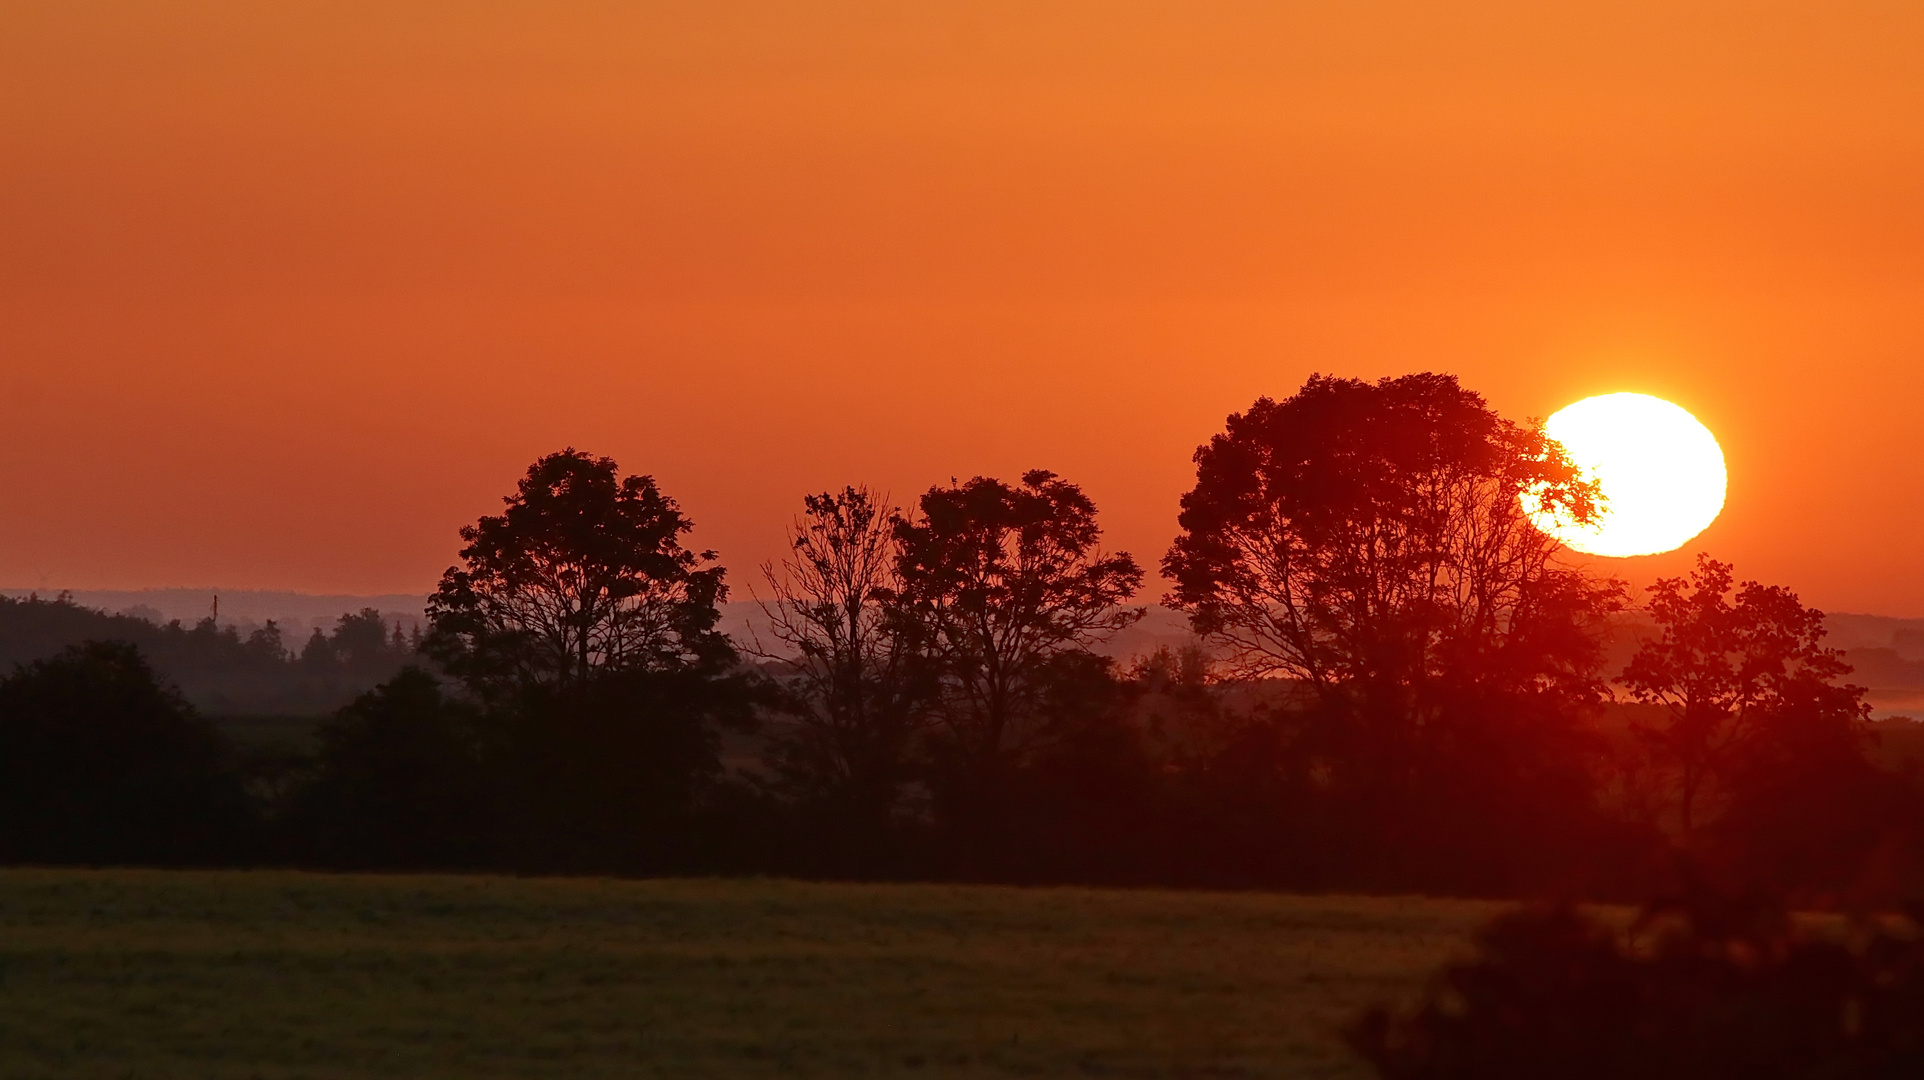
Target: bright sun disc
[1661, 474]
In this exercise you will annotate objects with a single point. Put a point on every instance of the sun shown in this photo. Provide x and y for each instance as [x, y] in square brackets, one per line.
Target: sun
[1661, 474]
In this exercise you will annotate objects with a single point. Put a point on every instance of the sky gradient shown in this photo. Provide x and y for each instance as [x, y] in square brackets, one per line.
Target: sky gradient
[290, 292]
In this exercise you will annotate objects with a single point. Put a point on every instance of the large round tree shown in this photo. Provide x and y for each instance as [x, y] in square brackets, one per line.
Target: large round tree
[1368, 544]
[1374, 535]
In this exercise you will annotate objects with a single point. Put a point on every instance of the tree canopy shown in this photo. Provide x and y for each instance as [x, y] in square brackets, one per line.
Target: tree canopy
[1374, 535]
[853, 672]
[1399, 687]
[583, 573]
[1736, 669]
[1006, 579]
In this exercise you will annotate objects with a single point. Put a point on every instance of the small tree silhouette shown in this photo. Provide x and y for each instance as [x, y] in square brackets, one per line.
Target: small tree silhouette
[1733, 674]
[853, 675]
[397, 783]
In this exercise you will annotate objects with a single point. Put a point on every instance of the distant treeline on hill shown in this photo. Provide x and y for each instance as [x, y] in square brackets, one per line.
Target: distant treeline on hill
[217, 668]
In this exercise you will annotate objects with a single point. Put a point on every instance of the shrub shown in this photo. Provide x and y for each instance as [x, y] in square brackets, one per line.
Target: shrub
[1702, 988]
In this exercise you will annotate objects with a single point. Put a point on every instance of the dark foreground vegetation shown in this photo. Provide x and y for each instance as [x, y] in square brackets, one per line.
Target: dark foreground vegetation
[1699, 986]
[176, 975]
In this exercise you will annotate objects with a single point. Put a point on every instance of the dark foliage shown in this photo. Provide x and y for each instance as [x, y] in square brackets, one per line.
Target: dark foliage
[1758, 754]
[100, 763]
[619, 775]
[360, 651]
[398, 783]
[1746, 687]
[583, 574]
[1700, 989]
[1809, 816]
[587, 632]
[1086, 806]
[1370, 539]
[1368, 542]
[1008, 591]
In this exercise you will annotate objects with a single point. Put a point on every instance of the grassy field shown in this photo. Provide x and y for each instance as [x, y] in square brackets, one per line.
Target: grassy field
[277, 975]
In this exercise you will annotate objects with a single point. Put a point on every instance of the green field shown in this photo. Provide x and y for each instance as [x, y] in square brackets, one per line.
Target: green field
[210, 975]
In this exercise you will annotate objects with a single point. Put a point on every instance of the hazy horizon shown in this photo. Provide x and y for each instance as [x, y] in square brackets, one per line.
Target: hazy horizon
[186, 603]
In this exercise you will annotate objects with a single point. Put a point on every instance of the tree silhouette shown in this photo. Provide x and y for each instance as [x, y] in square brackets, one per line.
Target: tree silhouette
[1009, 590]
[853, 673]
[1370, 540]
[589, 632]
[1369, 543]
[1731, 672]
[1004, 579]
[583, 573]
[1374, 535]
[220, 670]
[360, 651]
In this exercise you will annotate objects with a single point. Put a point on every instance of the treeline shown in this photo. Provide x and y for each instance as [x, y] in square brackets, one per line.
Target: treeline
[223, 671]
[1401, 686]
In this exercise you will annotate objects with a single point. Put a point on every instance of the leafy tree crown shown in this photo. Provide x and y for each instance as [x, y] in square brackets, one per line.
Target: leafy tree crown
[583, 573]
[1377, 534]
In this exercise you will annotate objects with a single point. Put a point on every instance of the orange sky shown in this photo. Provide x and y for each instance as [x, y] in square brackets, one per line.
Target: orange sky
[290, 291]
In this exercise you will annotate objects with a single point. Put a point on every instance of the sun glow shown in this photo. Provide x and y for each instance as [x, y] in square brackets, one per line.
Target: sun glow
[1661, 474]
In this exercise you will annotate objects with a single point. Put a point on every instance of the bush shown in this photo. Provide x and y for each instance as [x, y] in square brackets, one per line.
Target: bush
[398, 783]
[1703, 988]
[101, 763]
